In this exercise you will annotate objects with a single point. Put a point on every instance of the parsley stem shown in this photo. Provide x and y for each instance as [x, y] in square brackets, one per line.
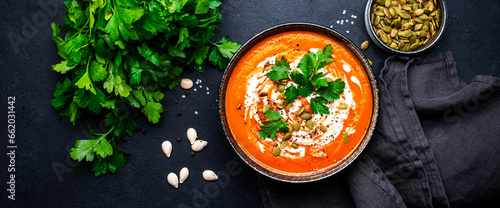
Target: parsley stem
[210, 18]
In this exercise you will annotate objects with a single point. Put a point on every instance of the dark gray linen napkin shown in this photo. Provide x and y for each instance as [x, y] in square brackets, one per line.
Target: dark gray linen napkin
[436, 144]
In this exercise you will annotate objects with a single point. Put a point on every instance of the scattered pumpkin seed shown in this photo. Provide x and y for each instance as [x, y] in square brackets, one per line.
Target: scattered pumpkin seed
[305, 116]
[281, 88]
[280, 105]
[345, 138]
[268, 67]
[263, 94]
[287, 136]
[310, 124]
[370, 62]
[239, 106]
[364, 46]
[296, 126]
[283, 144]
[301, 110]
[266, 108]
[276, 151]
[295, 146]
[323, 128]
[343, 106]
[282, 96]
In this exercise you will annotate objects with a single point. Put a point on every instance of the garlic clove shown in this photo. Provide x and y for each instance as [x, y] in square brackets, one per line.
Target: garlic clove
[166, 146]
[186, 83]
[191, 135]
[199, 145]
[173, 180]
[209, 175]
[183, 175]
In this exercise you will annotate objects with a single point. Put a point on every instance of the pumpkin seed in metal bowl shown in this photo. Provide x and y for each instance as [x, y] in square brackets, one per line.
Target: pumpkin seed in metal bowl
[405, 27]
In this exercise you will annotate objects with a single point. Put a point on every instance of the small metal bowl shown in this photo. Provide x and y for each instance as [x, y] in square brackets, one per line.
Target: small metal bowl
[433, 41]
[257, 165]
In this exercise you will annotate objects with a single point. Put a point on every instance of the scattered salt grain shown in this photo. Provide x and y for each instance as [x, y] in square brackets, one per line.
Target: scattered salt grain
[196, 112]
[195, 89]
[183, 96]
[343, 12]
[347, 31]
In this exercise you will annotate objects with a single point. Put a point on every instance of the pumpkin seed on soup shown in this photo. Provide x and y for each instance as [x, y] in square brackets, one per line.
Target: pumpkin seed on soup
[310, 124]
[276, 151]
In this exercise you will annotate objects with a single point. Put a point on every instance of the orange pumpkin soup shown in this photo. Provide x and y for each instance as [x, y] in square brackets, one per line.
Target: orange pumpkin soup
[320, 140]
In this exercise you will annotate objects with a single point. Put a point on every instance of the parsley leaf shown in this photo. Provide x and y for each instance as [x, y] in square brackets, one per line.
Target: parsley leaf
[222, 51]
[318, 105]
[152, 110]
[87, 149]
[120, 23]
[332, 91]
[270, 128]
[62, 67]
[84, 82]
[291, 94]
[97, 71]
[111, 163]
[273, 115]
[323, 57]
[202, 7]
[280, 71]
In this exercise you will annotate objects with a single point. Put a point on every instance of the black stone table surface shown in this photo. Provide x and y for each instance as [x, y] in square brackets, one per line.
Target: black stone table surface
[46, 176]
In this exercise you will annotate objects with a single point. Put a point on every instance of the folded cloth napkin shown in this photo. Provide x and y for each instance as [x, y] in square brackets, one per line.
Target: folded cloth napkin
[436, 144]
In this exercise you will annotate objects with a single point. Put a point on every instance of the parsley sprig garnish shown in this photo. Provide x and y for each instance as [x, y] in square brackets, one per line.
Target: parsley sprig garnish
[280, 71]
[308, 80]
[270, 128]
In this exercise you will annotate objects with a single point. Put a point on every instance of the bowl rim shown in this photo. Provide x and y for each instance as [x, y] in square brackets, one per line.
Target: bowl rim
[310, 176]
[434, 40]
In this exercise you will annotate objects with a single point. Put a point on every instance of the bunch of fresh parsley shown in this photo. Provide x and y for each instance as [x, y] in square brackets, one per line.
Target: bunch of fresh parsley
[309, 81]
[118, 56]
